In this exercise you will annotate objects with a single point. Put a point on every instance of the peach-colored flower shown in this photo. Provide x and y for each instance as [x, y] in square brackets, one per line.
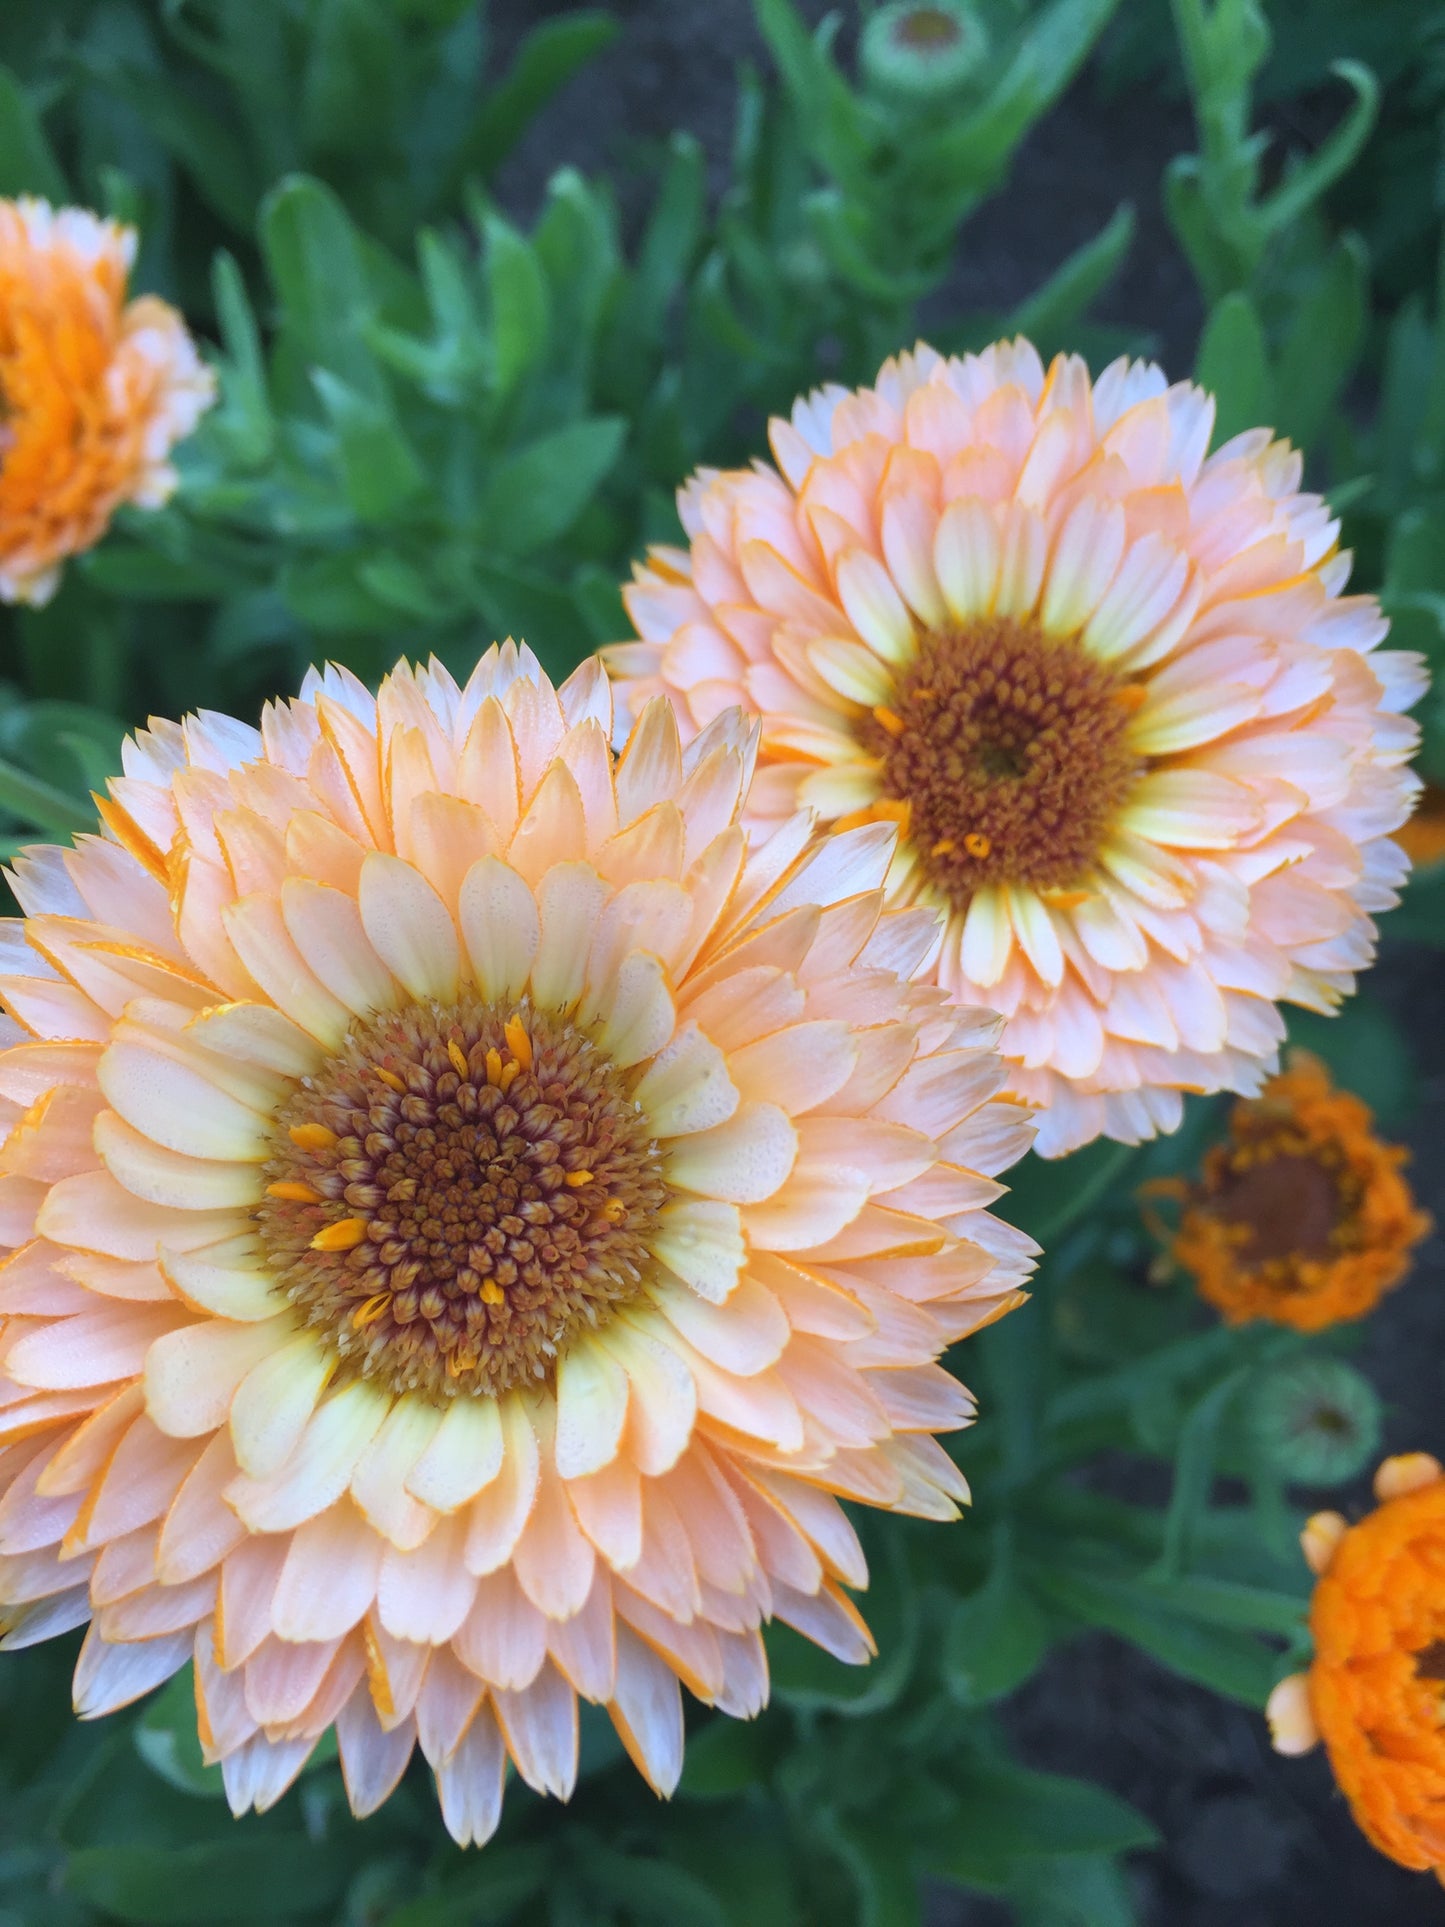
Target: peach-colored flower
[1144, 752]
[1373, 1692]
[471, 1214]
[94, 390]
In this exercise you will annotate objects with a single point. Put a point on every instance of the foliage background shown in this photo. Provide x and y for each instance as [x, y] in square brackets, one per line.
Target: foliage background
[492, 280]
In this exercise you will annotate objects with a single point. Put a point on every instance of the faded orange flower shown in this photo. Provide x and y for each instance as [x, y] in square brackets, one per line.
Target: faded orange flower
[94, 390]
[471, 1219]
[1302, 1215]
[1144, 752]
[1375, 1691]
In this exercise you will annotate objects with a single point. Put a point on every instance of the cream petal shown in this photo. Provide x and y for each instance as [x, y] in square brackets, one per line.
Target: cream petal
[326, 927]
[646, 1709]
[1085, 559]
[179, 1107]
[743, 1161]
[640, 1018]
[199, 1528]
[96, 1348]
[330, 1576]
[424, 1595]
[1190, 809]
[701, 1240]
[274, 1402]
[159, 1176]
[662, 1406]
[554, 1561]
[570, 899]
[798, 1067]
[237, 1290]
[591, 1409]
[987, 937]
[256, 1034]
[378, 1484]
[463, 1458]
[500, 927]
[108, 1677]
[539, 1726]
[191, 1375]
[469, 1783]
[504, 1639]
[745, 1335]
[686, 1087]
[372, 1760]
[258, 932]
[498, 1515]
[967, 551]
[1036, 934]
[319, 1469]
[410, 928]
[908, 525]
[874, 607]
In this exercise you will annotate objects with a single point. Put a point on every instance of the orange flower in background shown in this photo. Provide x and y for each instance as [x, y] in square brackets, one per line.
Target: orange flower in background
[1375, 1692]
[1301, 1216]
[1144, 752]
[94, 390]
[1423, 837]
[471, 1219]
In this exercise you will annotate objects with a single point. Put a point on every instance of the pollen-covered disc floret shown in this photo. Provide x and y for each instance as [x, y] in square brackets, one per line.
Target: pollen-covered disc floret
[94, 390]
[1302, 1215]
[1144, 754]
[1375, 1692]
[469, 1217]
[459, 1193]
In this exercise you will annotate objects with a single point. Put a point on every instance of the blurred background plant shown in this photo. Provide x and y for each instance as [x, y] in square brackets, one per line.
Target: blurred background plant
[438, 423]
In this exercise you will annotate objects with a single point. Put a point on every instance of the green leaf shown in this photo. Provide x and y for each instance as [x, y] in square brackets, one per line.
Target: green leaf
[1228, 1662]
[1008, 1814]
[996, 1639]
[1313, 177]
[1323, 344]
[243, 1879]
[809, 1680]
[379, 472]
[535, 496]
[41, 805]
[1194, 1471]
[1233, 364]
[27, 164]
[725, 1758]
[1048, 1195]
[521, 310]
[652, 1889]
[315, 261]
[546, 60]
[495, 1884]
[167, 1740]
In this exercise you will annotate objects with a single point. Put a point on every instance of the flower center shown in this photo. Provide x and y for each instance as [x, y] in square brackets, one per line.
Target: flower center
[1283, 1206]
[1008, 748]
[457, 1193]
[927, 28]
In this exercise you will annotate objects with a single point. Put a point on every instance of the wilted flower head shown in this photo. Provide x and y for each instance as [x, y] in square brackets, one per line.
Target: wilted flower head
[94, 390]
[1301, 1215]
[471, 1214]
[1373, 1692]
[1145, 754]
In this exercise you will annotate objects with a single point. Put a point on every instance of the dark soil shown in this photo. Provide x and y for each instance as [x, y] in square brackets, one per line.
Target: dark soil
[1250, 1840]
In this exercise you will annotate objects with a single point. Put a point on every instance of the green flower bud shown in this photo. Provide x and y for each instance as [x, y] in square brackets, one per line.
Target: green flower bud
[921, 51]
[1315, 1421]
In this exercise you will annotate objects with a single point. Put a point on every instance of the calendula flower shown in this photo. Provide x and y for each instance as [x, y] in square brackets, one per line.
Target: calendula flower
[1144, 752]
[1423, 837]
[1301, 1215]
[94, 390]
[1375, 1689]
[471, 1216]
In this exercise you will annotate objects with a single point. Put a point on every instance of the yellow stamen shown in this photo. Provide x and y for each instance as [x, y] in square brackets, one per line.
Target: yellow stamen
[311, 1137]
[890, 720]
[614, 1210]
[576, 1179]
[892, 809]
[458, 1057]
[945, 846]
[977, 845]
[494, 1066]
[345, 1235]
[492, 1293]
[518, 1041]
[293, 1192]
[1066, 899]
[510, 1073]
[391, 1080]
[368, 1313]
[1130, 696]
